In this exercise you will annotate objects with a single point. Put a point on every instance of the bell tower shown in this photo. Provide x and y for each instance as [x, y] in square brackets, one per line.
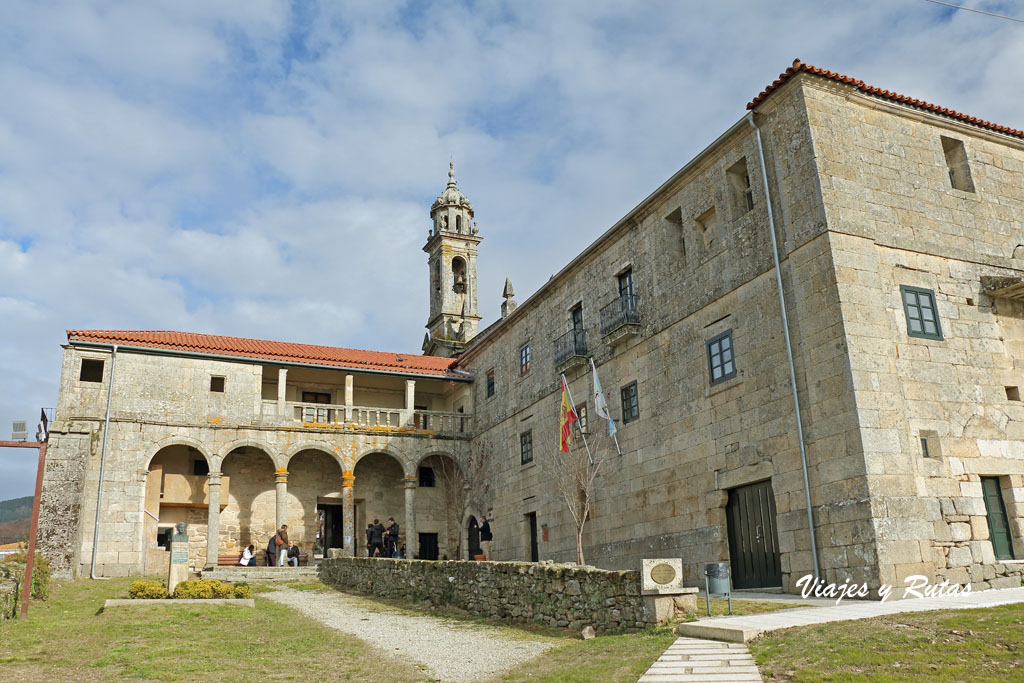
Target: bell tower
[451, 258]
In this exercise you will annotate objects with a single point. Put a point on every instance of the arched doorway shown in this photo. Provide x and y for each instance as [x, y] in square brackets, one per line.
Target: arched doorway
[473, 538]
[176, 491]
[251, 513]
[379, 494]
[315, 502]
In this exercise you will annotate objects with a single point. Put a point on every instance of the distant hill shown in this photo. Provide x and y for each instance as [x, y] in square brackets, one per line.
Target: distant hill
[15, 519]
[15, 509]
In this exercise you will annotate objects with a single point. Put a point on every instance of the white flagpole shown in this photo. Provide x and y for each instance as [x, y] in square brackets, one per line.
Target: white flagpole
[597, 388]
[573, 405]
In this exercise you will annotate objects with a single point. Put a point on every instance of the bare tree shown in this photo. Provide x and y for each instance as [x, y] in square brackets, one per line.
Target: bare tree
[575, 474]
[464, 482]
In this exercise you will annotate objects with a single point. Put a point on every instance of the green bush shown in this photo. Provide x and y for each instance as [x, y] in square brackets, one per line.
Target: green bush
[207, 589]
[147, 590]
[40, 573]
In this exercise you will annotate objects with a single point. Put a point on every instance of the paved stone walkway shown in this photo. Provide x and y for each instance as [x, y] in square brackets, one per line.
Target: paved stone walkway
[697, 659]
[692, 659]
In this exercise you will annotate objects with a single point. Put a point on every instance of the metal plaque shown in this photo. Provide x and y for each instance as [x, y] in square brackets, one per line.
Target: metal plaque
[663, 573]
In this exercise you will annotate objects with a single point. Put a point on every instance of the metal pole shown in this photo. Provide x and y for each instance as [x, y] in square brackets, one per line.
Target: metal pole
[103, 462]
[789, 345]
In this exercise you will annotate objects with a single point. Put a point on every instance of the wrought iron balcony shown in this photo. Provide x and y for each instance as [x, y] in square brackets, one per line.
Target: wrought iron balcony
[620, 318]
[570, 345]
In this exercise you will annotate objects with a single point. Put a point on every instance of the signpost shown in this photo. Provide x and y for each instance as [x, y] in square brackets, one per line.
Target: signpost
[26, 588]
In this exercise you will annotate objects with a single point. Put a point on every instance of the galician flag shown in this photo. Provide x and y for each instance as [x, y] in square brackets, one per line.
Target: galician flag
[568, 416]
[599, 403]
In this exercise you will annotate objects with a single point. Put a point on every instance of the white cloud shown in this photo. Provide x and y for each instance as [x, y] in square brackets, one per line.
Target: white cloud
[268, 171]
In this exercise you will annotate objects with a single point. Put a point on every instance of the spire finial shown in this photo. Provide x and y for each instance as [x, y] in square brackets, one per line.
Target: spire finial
[451, 173]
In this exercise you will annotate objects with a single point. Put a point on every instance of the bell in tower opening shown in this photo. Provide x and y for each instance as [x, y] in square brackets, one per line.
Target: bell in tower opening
[451, 257]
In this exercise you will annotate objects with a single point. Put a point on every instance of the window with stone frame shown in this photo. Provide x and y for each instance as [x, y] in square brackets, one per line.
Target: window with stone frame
[630, 403]
[427, 477]
[581, 417]
[721, 358]
[739, 184]
[217, 384]
[91, 371]
[490, 383]
[524, 358]
[526, 447]
[921, 312]
[957, 167]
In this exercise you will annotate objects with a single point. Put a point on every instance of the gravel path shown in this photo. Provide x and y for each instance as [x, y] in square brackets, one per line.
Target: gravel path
[446, 649]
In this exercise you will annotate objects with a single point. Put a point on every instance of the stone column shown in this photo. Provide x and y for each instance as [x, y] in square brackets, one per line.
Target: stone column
[348, 511]
[349, 385]
[213, 519]
[282, 392]
[411, 544]
[410, 401]
[281, 484]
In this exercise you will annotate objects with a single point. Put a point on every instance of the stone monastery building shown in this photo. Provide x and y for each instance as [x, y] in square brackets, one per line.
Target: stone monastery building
[826, 305]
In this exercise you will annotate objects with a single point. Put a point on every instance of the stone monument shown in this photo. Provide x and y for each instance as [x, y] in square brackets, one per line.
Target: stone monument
[663, 592]
[178, 570]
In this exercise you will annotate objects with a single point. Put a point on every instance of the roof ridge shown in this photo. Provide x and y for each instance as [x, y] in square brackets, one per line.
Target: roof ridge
[799, 66]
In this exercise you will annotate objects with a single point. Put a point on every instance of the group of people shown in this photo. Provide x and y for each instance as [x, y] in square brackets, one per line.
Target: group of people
[382, 541]
[280, 551]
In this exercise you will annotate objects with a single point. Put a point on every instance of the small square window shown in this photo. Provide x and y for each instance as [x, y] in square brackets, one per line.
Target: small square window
[630, 403]
[721, 359]
[490, 383]
[924, 446]
[92, 370]
[526, 447]
[217, 384]
[739, 183]
[1012, 393]
[930, 447]
[922, 313]
[427, 479]
[524, 358]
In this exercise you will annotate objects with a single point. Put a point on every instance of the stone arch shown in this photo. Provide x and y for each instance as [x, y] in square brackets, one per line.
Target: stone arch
[211, 460]
[271, 453]
[402, 458]
[315, 500]
[322, 446]
[378, 491]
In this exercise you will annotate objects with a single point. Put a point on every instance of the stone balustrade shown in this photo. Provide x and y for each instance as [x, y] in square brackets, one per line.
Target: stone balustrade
[556, 595]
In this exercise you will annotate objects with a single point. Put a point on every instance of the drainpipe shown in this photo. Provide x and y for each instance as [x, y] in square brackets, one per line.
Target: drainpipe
[789, 344]
[103, 463]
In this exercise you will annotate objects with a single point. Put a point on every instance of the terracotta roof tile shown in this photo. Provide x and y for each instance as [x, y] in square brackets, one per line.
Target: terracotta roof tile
[355, 359]
[799, 66]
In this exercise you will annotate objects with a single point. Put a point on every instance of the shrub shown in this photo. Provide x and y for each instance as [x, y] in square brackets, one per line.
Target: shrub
[207, 589]
[40, 573]
[147, 590]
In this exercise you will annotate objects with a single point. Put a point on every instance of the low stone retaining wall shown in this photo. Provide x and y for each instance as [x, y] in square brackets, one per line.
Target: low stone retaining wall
[557, 595]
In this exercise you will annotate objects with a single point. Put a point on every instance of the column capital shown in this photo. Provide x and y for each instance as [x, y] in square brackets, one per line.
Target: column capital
[281, 475]
[410, 481]
[348, 479]
[214, 478]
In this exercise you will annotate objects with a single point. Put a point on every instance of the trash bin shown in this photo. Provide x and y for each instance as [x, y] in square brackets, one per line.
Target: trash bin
[717, 582]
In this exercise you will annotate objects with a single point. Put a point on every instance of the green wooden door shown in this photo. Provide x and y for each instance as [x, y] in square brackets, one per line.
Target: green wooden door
[753, 540]
[998, 526]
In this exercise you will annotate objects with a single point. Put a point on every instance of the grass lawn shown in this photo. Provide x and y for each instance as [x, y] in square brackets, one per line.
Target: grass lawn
[953, 645]
[606, 658]
[720, 607]
[69, 638]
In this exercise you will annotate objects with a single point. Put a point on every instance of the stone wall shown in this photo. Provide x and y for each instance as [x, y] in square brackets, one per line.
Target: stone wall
[560, 596]
[8, 595]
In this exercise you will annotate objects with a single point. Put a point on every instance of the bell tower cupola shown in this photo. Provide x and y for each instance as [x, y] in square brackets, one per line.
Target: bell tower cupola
[451, 257]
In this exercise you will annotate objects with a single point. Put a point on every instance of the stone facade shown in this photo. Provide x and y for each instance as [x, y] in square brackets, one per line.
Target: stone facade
[900, 434]
[560, 596]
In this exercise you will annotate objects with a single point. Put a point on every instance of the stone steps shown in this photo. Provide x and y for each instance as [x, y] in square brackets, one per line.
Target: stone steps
[261, 573]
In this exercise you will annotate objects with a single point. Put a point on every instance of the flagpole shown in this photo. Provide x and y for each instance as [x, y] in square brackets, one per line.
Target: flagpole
[573, 404]
[607, 415]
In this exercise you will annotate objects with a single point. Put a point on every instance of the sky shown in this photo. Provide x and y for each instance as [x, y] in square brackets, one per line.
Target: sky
[265, 169]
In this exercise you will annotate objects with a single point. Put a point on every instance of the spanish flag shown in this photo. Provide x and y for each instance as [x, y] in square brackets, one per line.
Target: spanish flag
[568, 416]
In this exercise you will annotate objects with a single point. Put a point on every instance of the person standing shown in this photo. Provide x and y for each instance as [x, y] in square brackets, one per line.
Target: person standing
[391, 542]
[282, 546]
[272, 551]
[369, 539]
[485, 537]
[377, 538]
